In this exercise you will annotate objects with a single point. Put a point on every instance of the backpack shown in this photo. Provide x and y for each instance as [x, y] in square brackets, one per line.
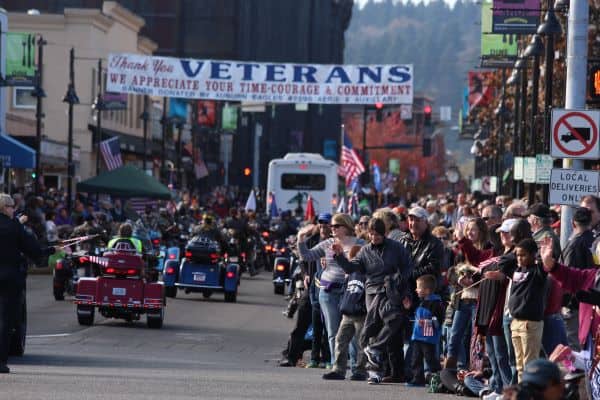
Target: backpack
[353, 299]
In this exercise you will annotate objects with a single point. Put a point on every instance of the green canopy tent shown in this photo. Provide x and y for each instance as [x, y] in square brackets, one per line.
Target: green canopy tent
[126, 181]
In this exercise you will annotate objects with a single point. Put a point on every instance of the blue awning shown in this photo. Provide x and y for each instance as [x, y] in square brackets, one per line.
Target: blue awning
[14, 154]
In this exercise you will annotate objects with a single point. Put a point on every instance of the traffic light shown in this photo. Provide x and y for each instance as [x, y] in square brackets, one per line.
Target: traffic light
[379, 112]
[247, 171]
[426, 147]
[33, 175]
[427, 115]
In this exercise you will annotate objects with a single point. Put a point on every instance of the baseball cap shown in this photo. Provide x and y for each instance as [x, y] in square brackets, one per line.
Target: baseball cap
[539, 210]
[324, 217]
[418, 212]
[507, 225]
[541, 372]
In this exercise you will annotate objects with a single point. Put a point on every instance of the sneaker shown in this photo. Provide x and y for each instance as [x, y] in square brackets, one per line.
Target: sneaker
[4, 369]
[392, 379]
[374, 380]
[492, 396]
[358, 376]
[312, 364]
[373, 357]
[286, 363]
[322, 365]
[415, 384]
[334, 376]
[328, 365]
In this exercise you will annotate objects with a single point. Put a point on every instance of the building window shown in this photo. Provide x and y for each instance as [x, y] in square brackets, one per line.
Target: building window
[22, 98]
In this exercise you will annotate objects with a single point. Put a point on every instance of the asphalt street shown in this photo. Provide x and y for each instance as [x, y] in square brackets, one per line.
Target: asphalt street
[207, 349]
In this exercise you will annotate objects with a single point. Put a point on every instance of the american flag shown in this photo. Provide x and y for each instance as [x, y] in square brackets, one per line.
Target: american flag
[111, 153]
[427, 326]
[351, 165]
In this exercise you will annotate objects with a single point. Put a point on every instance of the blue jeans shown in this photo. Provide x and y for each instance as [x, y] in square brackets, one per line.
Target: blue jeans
[498, 356]
[475, 385]
[555, 333]
[461, 326]
[330, 306]
[509, 346]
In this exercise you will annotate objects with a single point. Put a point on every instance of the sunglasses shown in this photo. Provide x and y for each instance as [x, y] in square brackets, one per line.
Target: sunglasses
[335, 226]
[365, 223]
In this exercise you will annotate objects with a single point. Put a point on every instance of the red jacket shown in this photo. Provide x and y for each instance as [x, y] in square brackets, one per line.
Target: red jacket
[473, 255]
[572, 280]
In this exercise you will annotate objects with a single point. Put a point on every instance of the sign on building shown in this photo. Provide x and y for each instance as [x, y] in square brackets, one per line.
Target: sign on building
[569, 186]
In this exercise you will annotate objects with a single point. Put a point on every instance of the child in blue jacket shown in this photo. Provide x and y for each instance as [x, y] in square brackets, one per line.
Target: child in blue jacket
[427, 328]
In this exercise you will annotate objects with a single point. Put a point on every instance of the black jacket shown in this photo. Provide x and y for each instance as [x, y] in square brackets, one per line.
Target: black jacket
[379, 262]
[15, 242]
[577, 252]
[427, 253]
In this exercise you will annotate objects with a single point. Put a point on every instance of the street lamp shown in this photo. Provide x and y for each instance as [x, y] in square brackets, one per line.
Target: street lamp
[145, 116]
[521, 64]
[535, 49]
[99, 106]
[549, 28]
[70, 98]
[39, 93]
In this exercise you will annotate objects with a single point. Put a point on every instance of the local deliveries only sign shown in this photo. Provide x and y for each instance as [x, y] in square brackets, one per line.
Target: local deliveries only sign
[569, 186]
[258, 81]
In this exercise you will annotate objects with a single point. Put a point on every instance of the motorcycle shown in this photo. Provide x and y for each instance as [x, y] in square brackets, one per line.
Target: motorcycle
[282, 267]
[66, 274]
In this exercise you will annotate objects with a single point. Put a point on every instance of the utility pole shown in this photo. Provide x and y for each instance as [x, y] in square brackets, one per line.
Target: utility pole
[39, 94]
[577, 54]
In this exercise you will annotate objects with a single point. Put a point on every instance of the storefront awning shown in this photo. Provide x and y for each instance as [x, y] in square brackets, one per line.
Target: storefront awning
[14, 154]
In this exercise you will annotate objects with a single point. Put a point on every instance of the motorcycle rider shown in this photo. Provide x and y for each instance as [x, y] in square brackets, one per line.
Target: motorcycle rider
[125, 238]
[208, 229]
[14, 243]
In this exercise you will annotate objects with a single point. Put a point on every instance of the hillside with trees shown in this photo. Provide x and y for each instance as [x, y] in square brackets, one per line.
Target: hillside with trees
[442, 43]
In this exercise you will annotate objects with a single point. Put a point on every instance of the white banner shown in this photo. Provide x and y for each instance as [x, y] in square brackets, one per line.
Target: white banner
[256, 81]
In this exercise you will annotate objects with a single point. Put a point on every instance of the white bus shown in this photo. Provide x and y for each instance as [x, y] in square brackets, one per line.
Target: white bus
[294, 177]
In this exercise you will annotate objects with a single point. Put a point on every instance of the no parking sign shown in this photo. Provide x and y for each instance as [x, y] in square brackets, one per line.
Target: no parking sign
[575, 134]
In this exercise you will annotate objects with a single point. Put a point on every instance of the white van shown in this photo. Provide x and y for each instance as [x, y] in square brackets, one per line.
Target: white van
[295, 176]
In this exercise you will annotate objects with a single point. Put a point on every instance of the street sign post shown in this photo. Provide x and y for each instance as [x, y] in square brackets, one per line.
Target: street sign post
[575, 134]
[529, 169]
[543, 168]
[518, 168]
[568, 186]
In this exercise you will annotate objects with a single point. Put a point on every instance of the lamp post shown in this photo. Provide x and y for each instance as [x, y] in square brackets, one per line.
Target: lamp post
[163, 124]
[521, 65]
[535, 49]
[39, 93]
[501, 113]
[145, 117]
[99, 106]
[71, 98]
[549, 28]
[514, 80]
[179, 126]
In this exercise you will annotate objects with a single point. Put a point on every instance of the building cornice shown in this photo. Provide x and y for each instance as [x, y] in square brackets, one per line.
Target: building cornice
[89, 16]
[146, 45]
[122, 15]
[43, 22]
